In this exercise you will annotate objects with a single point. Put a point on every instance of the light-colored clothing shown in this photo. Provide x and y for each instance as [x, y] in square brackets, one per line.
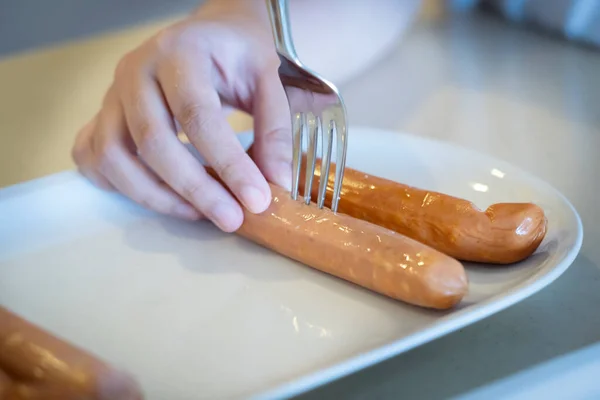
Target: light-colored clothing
[575, 19]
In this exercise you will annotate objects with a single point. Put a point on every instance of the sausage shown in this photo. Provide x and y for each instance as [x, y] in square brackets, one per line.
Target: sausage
[357, 251]
[30, 354]
[26, 391]
[5, 385]
[505, 233]
[11, 390]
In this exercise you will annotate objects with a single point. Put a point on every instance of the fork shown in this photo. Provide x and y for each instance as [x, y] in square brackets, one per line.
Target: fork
[316, 108]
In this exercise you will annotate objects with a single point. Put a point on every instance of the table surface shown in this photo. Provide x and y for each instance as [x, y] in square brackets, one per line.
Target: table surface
[469, 79]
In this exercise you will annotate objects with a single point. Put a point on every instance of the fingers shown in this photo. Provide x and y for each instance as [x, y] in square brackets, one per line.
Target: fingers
[197, 107]
[131, 146]
[152, 131]
[272, 148]
[125, 171]
[104, 155]
[83, 155]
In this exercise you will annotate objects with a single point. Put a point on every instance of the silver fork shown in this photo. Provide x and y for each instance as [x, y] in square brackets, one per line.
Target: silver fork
[316, 106]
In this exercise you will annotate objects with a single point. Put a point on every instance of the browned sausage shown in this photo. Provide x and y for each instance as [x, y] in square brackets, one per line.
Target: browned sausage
[5, 385]
[30, 354]
[504, 233]
[14, 390]
[357, 251]
[27, 391]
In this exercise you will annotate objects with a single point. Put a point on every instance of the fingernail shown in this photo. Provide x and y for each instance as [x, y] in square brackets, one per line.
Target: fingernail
[115, 385]
[254, 199]
[227, 217]
[186, 211]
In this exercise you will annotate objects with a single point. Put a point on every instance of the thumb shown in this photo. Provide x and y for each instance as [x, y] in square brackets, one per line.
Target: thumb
[272, 148]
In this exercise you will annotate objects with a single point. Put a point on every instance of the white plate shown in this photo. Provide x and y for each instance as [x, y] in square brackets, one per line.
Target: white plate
[195, 313]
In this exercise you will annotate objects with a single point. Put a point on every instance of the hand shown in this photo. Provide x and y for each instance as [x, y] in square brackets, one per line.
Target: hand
[186, 75]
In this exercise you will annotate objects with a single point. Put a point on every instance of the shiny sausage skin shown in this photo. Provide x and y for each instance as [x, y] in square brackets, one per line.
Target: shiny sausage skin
[504, 233]
[5, 385]
[357, 251]
[27, 391]
[50, 365]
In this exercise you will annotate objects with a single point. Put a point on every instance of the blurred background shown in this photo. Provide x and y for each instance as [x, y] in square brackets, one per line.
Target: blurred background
[519, 92]
[29, 24]
[57, 59]
[56, 62]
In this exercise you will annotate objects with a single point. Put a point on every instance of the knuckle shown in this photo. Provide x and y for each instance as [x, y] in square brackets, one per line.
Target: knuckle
[122, 66]
[179, 41]
[78, 151]
[228, 170]
[164, 40]
[130, 64]
[186, 39]
[279, 135]
[148, 139]
[106, 158]
[110, 99]
[149, 203]
[193, 119]
[78, 154]
[138, 99]
[81, 151]
[191, 190]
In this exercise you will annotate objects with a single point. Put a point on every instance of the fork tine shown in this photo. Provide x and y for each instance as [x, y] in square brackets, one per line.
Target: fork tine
[340, 155]
[299, 126]
[325, 163]
[311, 157]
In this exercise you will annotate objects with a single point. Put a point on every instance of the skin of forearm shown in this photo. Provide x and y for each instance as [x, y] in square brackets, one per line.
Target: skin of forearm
[337, 38]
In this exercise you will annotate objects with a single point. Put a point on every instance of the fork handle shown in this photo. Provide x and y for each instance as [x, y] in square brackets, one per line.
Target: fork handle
[280, 24]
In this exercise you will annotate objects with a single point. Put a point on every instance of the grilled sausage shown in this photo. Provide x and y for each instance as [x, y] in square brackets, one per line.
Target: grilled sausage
[360, 252]
[504, 233]
[5, 385]
[30, 354]
[28, 391]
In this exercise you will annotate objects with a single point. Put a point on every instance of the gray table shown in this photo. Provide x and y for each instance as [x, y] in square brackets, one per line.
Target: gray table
[474, 80]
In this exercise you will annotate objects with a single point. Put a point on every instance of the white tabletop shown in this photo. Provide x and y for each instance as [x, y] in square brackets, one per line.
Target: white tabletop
[529, 99]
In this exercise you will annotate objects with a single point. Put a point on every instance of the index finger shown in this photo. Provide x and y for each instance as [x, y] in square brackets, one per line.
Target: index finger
[150, 125]
[197, 107]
